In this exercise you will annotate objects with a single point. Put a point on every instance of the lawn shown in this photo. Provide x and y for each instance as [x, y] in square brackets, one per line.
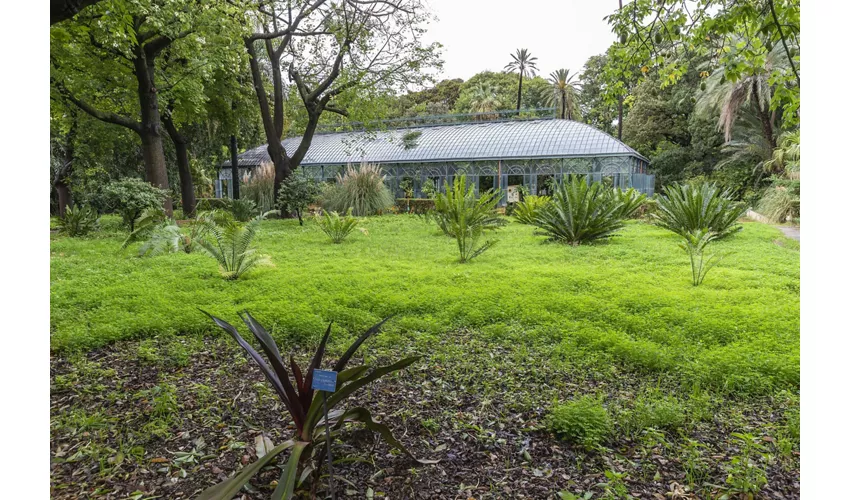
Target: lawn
[503, 337]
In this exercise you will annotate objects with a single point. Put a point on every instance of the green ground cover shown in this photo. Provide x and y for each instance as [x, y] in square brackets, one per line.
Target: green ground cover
[628, 301]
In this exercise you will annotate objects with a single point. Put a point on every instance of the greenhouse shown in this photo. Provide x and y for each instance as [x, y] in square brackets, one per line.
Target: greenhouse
[513, 156]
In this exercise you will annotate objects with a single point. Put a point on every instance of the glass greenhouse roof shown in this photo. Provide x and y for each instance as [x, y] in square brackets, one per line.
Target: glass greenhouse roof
[551, 138]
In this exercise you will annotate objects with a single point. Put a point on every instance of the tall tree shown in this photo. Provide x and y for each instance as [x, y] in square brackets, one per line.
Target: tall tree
[329, 49]
[524, 64]
[61, 10]
[107, 62]
[564, 94]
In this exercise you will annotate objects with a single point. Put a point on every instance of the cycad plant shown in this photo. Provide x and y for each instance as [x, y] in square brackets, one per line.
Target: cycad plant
[229, 243]
[694, 245]
[305, 407]
[464, 217]
[581, 212]
[687, 208]
[79, 220]
[243, 209]
[631, 200]
[337, 228]
[361, 189]
[529, 208]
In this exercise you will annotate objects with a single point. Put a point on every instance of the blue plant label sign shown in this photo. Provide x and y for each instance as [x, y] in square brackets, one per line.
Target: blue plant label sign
[324, 380]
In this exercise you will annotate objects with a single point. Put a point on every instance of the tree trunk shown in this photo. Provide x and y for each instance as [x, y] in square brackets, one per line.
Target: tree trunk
[620, 120]
[187, 185]
[234, 167]
[563, 105]
[519, 94]
[151, 126]
[64, 195]
[63, 191]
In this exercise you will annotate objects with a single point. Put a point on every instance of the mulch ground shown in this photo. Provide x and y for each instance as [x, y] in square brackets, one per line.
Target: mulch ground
[131, 422]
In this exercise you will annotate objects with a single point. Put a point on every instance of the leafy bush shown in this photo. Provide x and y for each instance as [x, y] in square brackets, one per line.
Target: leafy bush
[463, 216]
[583, 421]
[229, 243]
[130, 197]
[297, 192]
[694, 245]
[361, 189]
[79, 220]
[337, 228]
[243, 209]
[687, 208]
[529, 208]
[305, 406]
[259, 187]
[581, 212]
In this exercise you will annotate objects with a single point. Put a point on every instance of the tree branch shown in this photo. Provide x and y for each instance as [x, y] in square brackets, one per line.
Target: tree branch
[104, 116]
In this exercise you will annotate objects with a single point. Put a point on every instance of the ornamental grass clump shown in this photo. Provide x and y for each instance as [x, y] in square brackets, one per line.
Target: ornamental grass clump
[361, 189]
[581, 212]
[259, 187]
[337, 228]
[687, 208]
[305, 407]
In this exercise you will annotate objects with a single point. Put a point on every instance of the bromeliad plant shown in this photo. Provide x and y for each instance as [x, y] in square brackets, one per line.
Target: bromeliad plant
[305, 405]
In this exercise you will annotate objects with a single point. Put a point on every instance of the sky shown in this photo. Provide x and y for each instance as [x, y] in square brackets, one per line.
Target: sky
[480, 35]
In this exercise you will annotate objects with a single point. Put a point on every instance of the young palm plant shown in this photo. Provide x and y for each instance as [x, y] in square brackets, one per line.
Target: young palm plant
[528, 209]
[304, 405]
[464, 217]
[337, 228]
[229, 243]
[581, 212]
[687, 208]
[695, 245]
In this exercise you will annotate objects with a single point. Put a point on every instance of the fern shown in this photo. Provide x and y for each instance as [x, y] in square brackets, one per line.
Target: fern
[337, 228]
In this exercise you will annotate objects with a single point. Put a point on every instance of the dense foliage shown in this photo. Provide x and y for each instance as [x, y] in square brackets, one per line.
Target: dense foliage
[297, 192]
[583, 421]
[79, 220]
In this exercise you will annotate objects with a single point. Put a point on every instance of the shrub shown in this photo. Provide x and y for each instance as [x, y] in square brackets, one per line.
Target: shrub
[529, 208]
[361, 189]
[297, 192]
[694, 245]
[466, 217]
[229, 243]
[580, 212]
[130, 197]
[337, 228]
[305, 405]
[79, 220]
[259, 187]
[687, 208]
[582, 421]
[213, 204]
[243, 209]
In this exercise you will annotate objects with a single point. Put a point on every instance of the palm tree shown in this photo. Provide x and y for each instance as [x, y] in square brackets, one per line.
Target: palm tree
[749, 94]
[483, 99]
[565, 96]
[525, 64]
